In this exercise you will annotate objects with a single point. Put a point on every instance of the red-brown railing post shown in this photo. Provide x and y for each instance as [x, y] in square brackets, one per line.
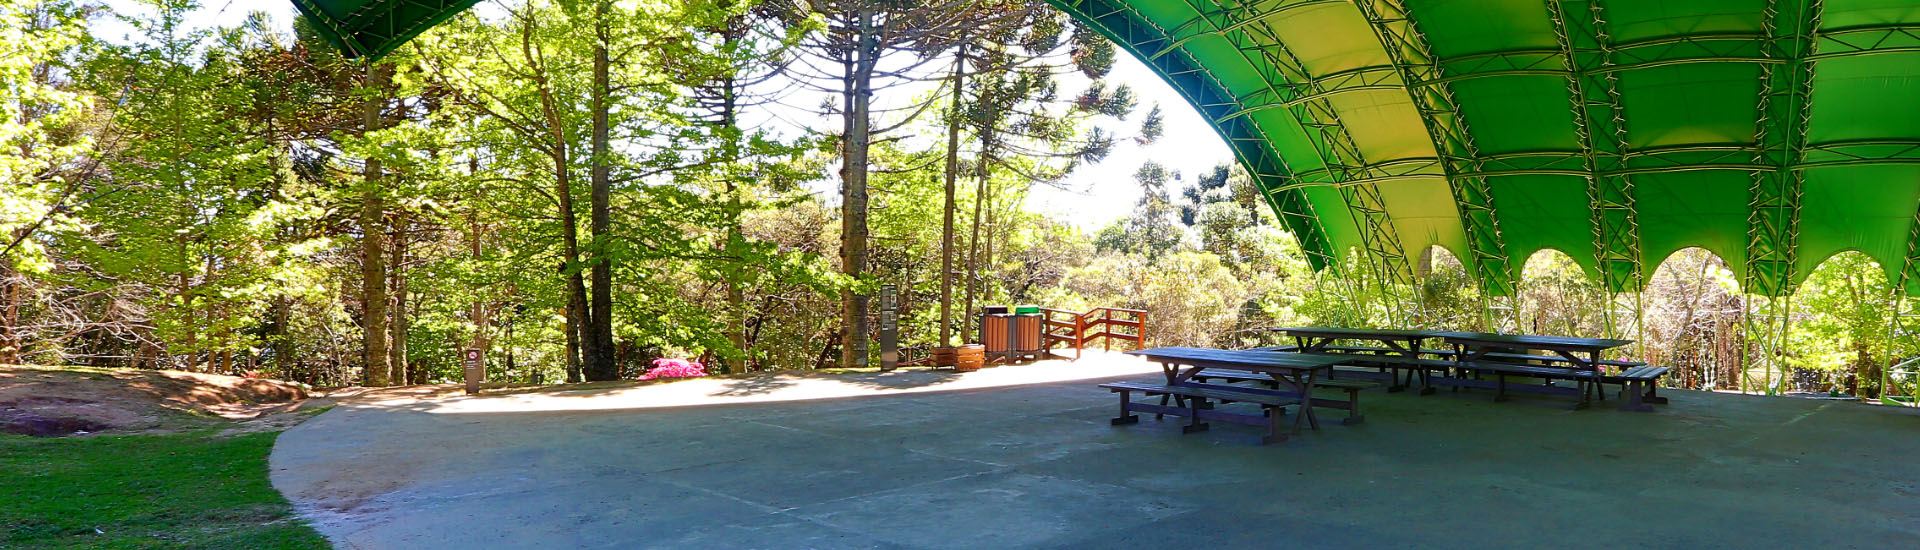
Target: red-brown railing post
[1106, 322]
[1141, 330]
[1079, 334]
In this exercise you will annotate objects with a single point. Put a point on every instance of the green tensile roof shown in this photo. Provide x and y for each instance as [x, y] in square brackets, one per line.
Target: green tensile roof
[371, 28]
[1772, 133]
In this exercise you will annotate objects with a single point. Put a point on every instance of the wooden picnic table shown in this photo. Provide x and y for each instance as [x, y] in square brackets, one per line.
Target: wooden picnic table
[1294, 374]
[1406, 344]
[1473, 348]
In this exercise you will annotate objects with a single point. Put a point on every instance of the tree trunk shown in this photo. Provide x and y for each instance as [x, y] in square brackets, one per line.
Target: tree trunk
[478, 315]
[736, 313]
[736, 239]
[580, 340]
[573, 344]
[598, 358]
[10, 338]
[991, 230]
[283, 336]
[853, 175]
[973, 241]
[946, 227]
[373, 269]
[980, 253]
[184, 289]
[397, 345]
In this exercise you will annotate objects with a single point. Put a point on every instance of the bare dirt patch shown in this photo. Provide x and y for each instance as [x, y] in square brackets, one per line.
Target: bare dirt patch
[61, 401]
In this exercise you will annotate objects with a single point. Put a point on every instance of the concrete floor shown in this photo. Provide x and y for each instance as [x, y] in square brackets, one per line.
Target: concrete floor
[1037, 466]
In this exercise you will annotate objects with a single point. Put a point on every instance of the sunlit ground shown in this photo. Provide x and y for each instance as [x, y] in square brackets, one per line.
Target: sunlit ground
[780, 386]
[897, 461]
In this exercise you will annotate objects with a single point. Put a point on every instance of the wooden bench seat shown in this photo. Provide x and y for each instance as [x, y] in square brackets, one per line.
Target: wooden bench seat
[1206, 392]
[1195, 405]
[1587, 382]
[1413, 367]
[1376, 350]
[1522, 357]
[1637, 387]
[1352, 387]
[1232, 375]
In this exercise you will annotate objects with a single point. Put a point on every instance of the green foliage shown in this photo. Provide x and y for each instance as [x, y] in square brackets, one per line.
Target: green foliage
[41, 138]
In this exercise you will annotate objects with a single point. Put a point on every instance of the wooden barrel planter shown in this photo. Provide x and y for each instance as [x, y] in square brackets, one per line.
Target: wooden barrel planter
[945, 356]
[969, 358]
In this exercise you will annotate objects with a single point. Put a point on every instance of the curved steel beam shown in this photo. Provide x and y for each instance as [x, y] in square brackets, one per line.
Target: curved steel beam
[1133, 32]
[1773, 213]
[1243, 14]
[1333, 144]
[1447, 128]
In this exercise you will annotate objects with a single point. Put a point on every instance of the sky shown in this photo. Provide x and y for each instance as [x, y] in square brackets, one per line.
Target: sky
[1093, 196]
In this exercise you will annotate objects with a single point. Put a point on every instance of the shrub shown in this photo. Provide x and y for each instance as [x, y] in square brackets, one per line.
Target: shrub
[674, 368]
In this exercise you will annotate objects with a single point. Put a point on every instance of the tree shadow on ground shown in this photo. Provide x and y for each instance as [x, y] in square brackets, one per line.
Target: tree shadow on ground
[898, 379]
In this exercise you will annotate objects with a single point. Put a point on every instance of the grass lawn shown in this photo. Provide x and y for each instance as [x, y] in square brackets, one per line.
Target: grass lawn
[190, 490]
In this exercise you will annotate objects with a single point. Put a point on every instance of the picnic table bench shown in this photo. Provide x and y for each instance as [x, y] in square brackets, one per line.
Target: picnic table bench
[1528, 358]
[1637, 387]
[1351, 387]
[1294, 376]
[1575, 359]
[1404, 344]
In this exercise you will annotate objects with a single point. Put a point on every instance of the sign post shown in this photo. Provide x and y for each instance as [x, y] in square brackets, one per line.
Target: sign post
[475, 368]
[889, 327]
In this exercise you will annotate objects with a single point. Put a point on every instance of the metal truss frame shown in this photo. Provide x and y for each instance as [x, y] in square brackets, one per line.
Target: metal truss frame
[1591, 67]
[1120, 23]
[1785, 50]
[1773, 208]
[1899, 303]
[1289, 85]
[1408, 51]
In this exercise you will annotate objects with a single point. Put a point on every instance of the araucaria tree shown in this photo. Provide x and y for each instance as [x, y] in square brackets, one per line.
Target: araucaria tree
[864, 49]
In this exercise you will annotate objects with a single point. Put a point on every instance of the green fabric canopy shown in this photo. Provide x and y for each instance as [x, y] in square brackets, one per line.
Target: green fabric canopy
[1772, 133]
[371, 28]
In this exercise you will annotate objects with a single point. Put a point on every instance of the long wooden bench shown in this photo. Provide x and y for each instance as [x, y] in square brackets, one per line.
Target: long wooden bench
[1413, 366]
[1196, 406]
[1522, 357]
[1377, 350]
[1637, 386]
[1352, 387]
[1193, 405]
[1587, 381]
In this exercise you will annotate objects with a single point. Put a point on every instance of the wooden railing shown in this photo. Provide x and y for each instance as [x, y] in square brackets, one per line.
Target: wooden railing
[1075, 329]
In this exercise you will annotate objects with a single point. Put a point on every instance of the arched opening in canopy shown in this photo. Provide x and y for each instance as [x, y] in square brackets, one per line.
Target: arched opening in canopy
[1557, 296]
[1693, 319]
[1447, 293]
[1838, 339]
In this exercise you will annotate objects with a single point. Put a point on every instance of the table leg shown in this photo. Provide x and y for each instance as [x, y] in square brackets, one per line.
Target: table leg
[1194, 404]
[1634, 398]
[1397, 385]
[1599, 389]
[1172, 374]
[1274, 435]
[1305, 390]
[1126, 414]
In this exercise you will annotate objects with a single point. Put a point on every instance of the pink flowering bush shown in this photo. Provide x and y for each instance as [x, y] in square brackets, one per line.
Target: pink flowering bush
[674, 368]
